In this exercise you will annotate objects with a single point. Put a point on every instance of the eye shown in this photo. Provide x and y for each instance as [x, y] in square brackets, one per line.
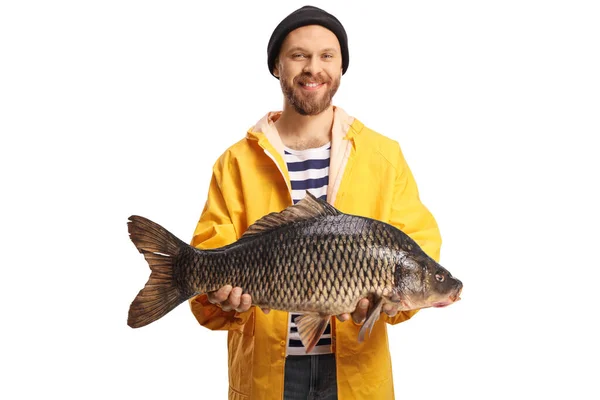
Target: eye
[439, 277]
[327, 56]
[298, 55]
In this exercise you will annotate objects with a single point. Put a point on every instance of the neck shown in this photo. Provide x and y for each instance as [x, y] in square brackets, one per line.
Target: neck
[301, 132]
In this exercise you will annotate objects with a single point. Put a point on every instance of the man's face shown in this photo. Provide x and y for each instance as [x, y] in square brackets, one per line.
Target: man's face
[309, 68]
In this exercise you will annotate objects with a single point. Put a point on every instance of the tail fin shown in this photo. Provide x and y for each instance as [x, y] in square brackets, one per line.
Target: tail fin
[160, 249]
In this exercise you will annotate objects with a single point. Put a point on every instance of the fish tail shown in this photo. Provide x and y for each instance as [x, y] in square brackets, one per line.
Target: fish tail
[161, 250]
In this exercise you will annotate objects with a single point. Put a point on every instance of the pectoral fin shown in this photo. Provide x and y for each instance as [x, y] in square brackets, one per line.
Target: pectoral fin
[310, 328]
[372, 317]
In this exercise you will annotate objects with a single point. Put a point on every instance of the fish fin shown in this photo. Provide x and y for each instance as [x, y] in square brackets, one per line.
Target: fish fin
[161, 293]
[310, 328]
[307, 208]
[372, 317]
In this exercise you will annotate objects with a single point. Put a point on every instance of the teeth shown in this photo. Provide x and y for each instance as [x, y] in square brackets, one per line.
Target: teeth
[311, 84]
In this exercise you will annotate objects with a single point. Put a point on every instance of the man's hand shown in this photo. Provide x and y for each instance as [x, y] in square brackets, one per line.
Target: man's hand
[231, 298]
[360, 314]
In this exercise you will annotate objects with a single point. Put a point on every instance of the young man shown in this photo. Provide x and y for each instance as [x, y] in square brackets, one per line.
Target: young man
[310, 145]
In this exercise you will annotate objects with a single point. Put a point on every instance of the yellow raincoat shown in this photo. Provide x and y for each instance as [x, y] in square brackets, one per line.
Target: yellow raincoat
[368, 176]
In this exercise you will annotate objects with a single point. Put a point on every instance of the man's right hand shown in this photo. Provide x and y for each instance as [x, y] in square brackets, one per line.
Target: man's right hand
[231, 298]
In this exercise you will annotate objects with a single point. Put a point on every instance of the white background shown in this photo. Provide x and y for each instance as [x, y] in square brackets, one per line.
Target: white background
[113, 108]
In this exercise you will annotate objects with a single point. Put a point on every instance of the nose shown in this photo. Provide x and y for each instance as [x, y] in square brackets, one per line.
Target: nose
[313, 65]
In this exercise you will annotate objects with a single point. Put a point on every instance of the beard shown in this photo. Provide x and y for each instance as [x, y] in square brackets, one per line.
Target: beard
[309, 103]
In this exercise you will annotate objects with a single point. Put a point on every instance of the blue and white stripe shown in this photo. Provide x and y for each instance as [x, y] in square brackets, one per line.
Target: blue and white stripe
[309, 171]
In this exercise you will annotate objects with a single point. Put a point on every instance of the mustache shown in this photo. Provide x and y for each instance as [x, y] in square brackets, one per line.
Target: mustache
[308, 77]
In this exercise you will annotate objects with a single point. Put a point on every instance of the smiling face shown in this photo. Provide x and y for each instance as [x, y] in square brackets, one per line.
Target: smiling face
[309, 68]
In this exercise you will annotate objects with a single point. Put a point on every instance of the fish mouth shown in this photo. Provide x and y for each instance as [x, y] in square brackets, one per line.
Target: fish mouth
[453, 298]
[456, 296]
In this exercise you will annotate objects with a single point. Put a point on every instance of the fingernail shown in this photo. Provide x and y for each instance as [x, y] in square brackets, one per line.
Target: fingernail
[237, 291]
[363, 304]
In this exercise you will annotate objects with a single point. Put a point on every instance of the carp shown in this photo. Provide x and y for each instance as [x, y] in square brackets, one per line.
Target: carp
[309, 258]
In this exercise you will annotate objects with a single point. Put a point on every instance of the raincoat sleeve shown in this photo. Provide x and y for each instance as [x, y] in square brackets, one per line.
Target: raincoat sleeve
[413, 218]
[216, 229]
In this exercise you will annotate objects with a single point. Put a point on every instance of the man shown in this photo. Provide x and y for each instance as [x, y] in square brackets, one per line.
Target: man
[310, 145]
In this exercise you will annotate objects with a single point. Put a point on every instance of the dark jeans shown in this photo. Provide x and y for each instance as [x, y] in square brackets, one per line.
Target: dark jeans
[310, 377]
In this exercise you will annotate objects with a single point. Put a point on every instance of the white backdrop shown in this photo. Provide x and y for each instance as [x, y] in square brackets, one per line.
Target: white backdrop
[113, 108]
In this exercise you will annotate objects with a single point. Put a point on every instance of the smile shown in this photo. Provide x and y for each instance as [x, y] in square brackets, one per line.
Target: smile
[311, 85]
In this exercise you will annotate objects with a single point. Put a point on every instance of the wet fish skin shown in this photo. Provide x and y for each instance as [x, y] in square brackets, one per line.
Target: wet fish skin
[323, 266]
[310, 258]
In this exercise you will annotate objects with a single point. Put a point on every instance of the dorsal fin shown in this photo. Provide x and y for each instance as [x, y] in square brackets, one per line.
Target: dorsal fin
[307, 208]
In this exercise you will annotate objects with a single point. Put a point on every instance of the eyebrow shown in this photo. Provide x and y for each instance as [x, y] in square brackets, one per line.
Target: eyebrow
[327, 50]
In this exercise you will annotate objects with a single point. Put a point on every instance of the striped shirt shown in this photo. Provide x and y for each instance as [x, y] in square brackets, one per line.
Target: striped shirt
[309, 171]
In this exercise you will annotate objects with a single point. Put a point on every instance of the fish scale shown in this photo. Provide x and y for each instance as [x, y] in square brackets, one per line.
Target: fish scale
[275, 260]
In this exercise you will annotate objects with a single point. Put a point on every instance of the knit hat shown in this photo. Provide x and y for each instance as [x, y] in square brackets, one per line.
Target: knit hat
[307, 15]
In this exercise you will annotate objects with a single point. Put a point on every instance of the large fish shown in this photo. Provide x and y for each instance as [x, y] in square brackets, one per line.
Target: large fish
[309, 258]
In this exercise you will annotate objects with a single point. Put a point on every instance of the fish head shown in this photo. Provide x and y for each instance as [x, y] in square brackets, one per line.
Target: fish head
[421, 282]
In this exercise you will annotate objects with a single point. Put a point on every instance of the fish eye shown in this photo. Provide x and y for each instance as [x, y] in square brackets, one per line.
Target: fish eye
[439, 277]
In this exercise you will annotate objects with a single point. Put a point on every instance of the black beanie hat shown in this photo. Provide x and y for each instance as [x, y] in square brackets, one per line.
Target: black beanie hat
[307, 15]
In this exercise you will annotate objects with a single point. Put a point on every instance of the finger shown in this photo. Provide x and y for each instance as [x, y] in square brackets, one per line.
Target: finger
[233, 301]
[220, 295]
[343, 317]
[360, 314]
[266, 310]
[245, 303]
[390, 310]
